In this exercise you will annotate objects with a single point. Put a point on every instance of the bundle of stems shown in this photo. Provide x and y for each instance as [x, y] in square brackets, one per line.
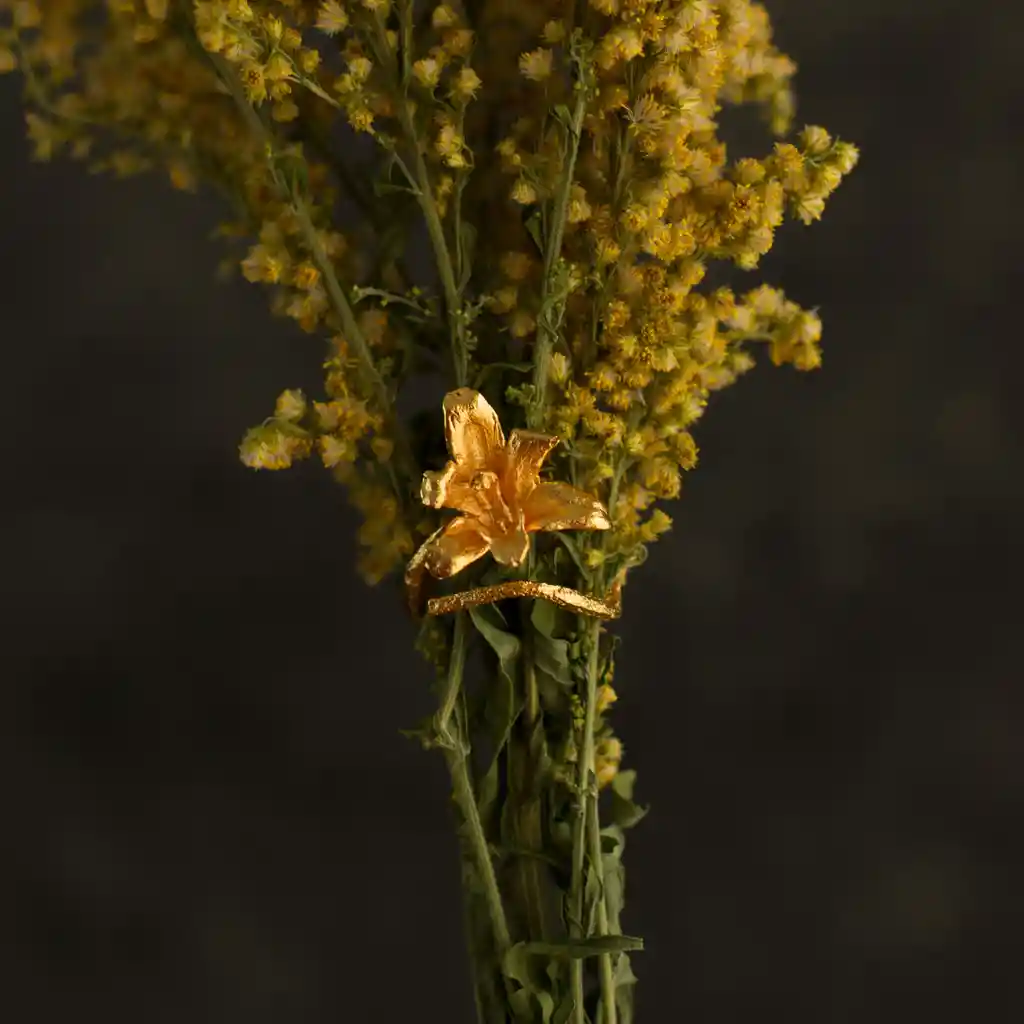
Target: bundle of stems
[559, 162]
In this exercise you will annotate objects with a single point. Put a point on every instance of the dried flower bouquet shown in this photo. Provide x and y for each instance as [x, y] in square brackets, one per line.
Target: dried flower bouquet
[561, 159]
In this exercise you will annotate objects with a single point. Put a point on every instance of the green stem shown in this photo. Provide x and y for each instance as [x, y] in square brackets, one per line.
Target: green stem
[465, 800]
[456, 756]
[419, 182]
[354, 189]
[456, 667]
[475, 975]
[532, 707]
[526, 756]
[339, 300]
[585, 782]
[435, 229]
[549, 318]
[604, 961]
[405, 25]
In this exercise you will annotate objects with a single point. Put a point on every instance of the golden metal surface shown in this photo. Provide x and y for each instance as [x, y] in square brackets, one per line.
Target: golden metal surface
[566, 597]
[496, 486]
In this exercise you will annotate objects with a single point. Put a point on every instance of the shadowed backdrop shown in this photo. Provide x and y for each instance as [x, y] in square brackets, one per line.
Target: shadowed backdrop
[210, 813]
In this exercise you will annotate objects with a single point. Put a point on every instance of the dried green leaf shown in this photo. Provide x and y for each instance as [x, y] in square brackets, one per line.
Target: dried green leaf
[570, 545]
[521, 1004]
[501, 706]
[506, 852]
[554, 694]
[527, 768]
[520, 968]
[467, 247]
[613, 844]
[385, 188]
[613, 839]
[552, 657]
[424, 733]
[561, 835]
[489, 623]
[623, 783]
[564, 1011]
[494, 367]
[578, 949]
[535, 231]
[544, 617]
[593, 890]
[624, 979]
[623, 812]
[484, 964]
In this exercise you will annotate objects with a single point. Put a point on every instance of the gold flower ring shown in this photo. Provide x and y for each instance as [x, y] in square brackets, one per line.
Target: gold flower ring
[496, 486]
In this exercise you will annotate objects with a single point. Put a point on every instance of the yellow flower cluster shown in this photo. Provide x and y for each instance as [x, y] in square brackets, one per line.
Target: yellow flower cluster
[352, 441]
[387, 540]
[269, 54]
[586, 155]
[652, 200]
[608, 748]
[282, 258]
[129, 89]
[608, 754]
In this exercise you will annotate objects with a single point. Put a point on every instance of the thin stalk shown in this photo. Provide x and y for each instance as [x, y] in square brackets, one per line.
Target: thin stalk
[349, 324]
[532, 697]
[474, 960]
[621, 466]
[323, 264]
[354, 189]
[453, 690]
[456, 757]
[465, 800]
[419, 182]
[548, 320]
[435, 229]
[525, 754]
[405, 25]
[605, 968]
[584, 784]
[477, 971]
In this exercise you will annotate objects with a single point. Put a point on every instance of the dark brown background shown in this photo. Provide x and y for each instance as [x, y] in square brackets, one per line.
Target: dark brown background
[211, 815]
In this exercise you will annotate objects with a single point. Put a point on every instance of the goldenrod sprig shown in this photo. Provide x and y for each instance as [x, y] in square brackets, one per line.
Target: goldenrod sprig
[287, 185]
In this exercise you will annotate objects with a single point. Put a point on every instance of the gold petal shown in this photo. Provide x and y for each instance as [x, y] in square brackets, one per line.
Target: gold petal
[435, 486]
[414, 573]
[475, 492]
[511, 548]
[460, 544]
[527, 451]
[471, 428]
[558, 506]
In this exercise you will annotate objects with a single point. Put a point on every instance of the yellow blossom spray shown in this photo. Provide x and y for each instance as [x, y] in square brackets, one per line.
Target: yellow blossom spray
[564, 164]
